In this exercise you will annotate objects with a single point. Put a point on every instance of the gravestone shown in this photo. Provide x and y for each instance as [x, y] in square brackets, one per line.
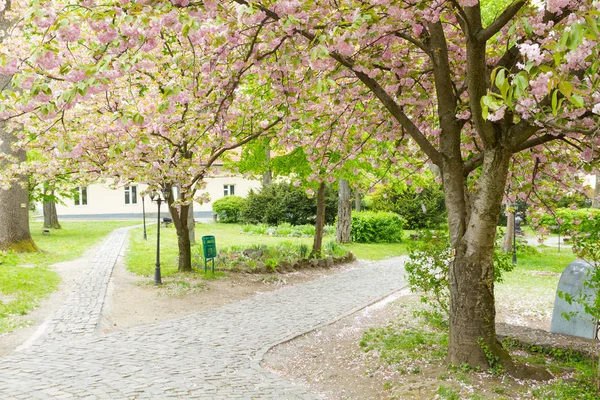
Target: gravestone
[572, 282]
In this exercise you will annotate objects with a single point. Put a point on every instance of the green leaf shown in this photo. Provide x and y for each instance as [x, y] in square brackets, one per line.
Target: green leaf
[566, 88]
[577, 100]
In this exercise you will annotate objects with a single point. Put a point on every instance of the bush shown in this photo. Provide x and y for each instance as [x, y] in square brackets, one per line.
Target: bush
[228, 209]
[280, 203]
[570, 220]
[376, 227]
[427, 270]
[426, 209]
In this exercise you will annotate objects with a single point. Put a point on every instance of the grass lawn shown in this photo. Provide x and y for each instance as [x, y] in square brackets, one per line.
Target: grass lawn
[141, 256]
[25, 279]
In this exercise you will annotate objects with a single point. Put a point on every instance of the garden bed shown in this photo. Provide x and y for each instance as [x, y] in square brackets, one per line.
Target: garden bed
[283, 257]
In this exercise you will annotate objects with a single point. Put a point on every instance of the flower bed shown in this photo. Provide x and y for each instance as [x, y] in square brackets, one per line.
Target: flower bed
[284, 257]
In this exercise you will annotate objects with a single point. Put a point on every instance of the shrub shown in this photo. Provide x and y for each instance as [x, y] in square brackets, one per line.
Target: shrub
[420, 210]
[428, 267]
[228, 208]
[376, 227]
[569, 220]
[284, 203]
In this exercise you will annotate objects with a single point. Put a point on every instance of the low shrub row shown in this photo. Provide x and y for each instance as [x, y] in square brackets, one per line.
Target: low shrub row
[376, 227]
[283, 257]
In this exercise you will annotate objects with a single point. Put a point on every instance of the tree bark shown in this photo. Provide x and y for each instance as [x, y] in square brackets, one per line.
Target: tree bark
[14, 202]
[356, 200]
[596, 200]
[510, 232]
[319, 223]
[472, 338]
[50, 216]
[344, 216]
[180, 220]
[191, 223]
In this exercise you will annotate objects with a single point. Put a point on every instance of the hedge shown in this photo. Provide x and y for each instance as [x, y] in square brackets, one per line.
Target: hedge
[376, 227]
[280, 203]
[228, 209]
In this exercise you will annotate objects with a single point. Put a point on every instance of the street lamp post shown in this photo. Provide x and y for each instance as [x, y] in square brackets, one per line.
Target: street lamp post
[158, 197]
[144, 216]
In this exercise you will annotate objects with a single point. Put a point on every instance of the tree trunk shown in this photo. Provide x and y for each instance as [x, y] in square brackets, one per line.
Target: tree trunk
[344, 216]
[14, 202]
[596, 200]
[180, 220]
[319, 223]
[50, 216]
[268, 175]
[510, 232]
[191, 223]
[356, 200]
[472, 338]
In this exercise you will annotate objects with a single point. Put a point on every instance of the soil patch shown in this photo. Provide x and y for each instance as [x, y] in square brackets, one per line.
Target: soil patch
[133, 300]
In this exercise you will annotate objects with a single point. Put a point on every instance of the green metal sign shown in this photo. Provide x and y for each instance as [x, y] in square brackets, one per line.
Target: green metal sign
[209, 246]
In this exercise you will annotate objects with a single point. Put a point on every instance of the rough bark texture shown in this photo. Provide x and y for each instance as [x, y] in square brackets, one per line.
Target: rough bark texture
[510, 233]
[356, 200]
[50, 216]
[180, 220]
[344, 216]
[191, 224]
[319, 223]
[472, 316]
[596, 200]
[14, 202]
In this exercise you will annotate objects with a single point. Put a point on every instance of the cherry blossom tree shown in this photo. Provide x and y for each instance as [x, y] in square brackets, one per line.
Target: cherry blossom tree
[14, 199]
[485, 103]
[134, 93]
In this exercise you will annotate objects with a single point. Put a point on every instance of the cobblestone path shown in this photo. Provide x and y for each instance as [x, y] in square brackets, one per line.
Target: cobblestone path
[210, 355]
[80, 314]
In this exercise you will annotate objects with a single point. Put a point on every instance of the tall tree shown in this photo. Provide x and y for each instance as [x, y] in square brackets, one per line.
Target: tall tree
[342, 233]
[14, 195]
[475, 97]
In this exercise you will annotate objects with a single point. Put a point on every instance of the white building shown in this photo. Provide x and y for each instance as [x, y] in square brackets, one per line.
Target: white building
[100, 201]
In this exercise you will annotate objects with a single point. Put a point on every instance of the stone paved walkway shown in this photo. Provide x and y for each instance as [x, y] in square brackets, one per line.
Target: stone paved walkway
[80, 314]
[210, 355]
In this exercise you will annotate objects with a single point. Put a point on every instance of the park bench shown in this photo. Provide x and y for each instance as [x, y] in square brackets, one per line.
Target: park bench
[167, 221]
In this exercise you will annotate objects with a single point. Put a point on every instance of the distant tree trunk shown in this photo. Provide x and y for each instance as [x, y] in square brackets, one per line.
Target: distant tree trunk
[50, 216]
[596, 200]
[356, 200]
[510, 233]
[180, 220]
[192, 223]
[319, 222]
[14, 202]
[267, 176]
[344, 216]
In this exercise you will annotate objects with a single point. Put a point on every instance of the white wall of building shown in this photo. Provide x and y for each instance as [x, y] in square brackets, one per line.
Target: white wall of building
[106, 202]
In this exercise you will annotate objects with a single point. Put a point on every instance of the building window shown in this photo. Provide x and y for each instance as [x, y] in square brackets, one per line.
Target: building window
[228, 190]
[81, 196]
[130, 194]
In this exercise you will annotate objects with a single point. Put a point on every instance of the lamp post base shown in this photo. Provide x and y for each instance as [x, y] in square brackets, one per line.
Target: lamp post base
[157, 277]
